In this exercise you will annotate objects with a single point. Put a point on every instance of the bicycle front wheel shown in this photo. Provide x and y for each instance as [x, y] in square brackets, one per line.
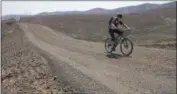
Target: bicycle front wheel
[126, 47]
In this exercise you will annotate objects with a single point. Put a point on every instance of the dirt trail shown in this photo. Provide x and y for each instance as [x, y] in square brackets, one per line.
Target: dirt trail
[147, 71]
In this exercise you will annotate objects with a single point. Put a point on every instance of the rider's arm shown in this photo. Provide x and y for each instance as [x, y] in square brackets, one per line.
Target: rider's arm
[113, 26]
[124, 24]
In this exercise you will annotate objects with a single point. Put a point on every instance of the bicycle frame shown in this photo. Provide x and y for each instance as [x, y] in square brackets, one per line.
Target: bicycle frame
[118, 38]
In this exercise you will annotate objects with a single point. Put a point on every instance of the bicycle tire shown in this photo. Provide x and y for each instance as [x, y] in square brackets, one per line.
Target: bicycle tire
[107, 41]
[121, 46]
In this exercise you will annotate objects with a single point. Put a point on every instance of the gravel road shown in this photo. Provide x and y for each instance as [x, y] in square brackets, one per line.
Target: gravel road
[88, 69]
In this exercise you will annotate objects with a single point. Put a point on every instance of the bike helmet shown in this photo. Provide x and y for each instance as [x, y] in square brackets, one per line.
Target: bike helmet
[119, 15]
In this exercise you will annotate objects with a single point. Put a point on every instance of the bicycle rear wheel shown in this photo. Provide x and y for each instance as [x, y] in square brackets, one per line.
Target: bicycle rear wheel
[126, 43]
[108, 45]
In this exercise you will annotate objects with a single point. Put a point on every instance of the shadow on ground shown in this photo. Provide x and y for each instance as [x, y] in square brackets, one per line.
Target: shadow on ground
[116, 56]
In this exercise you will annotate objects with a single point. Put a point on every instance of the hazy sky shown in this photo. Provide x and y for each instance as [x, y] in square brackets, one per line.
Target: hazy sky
[34, 7]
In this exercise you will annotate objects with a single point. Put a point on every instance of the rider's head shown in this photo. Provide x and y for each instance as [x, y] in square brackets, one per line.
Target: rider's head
[119, 16]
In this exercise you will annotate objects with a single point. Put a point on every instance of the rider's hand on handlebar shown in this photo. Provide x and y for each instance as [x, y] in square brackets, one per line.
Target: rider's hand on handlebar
[128, 28]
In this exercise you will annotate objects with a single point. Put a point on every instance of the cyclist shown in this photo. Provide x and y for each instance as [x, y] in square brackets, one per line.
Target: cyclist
[114, 22]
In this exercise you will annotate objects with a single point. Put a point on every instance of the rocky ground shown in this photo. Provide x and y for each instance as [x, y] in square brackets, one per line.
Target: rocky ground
[24, 70]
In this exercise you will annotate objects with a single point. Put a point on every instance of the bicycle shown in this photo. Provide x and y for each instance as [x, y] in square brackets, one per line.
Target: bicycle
[123, 41]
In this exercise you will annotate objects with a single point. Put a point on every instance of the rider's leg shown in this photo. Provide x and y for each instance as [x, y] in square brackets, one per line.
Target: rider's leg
[111, 32]
[114, 42]
[119, 32]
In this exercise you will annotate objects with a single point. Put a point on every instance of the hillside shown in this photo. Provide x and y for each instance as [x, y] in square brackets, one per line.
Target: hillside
[151, 26]
[39, 57]
[124, 10]
[99, 11]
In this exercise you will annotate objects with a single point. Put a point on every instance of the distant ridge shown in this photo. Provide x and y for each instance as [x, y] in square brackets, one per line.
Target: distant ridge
[124, 10]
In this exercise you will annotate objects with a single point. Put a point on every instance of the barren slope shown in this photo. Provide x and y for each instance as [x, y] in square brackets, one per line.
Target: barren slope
[148, 71]
[154, 25]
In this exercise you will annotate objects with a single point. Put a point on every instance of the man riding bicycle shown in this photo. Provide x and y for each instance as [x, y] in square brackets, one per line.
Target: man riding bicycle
[114, 23]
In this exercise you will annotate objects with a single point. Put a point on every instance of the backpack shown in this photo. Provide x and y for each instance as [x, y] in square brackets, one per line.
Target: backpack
[110, 20]
[115, 21]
